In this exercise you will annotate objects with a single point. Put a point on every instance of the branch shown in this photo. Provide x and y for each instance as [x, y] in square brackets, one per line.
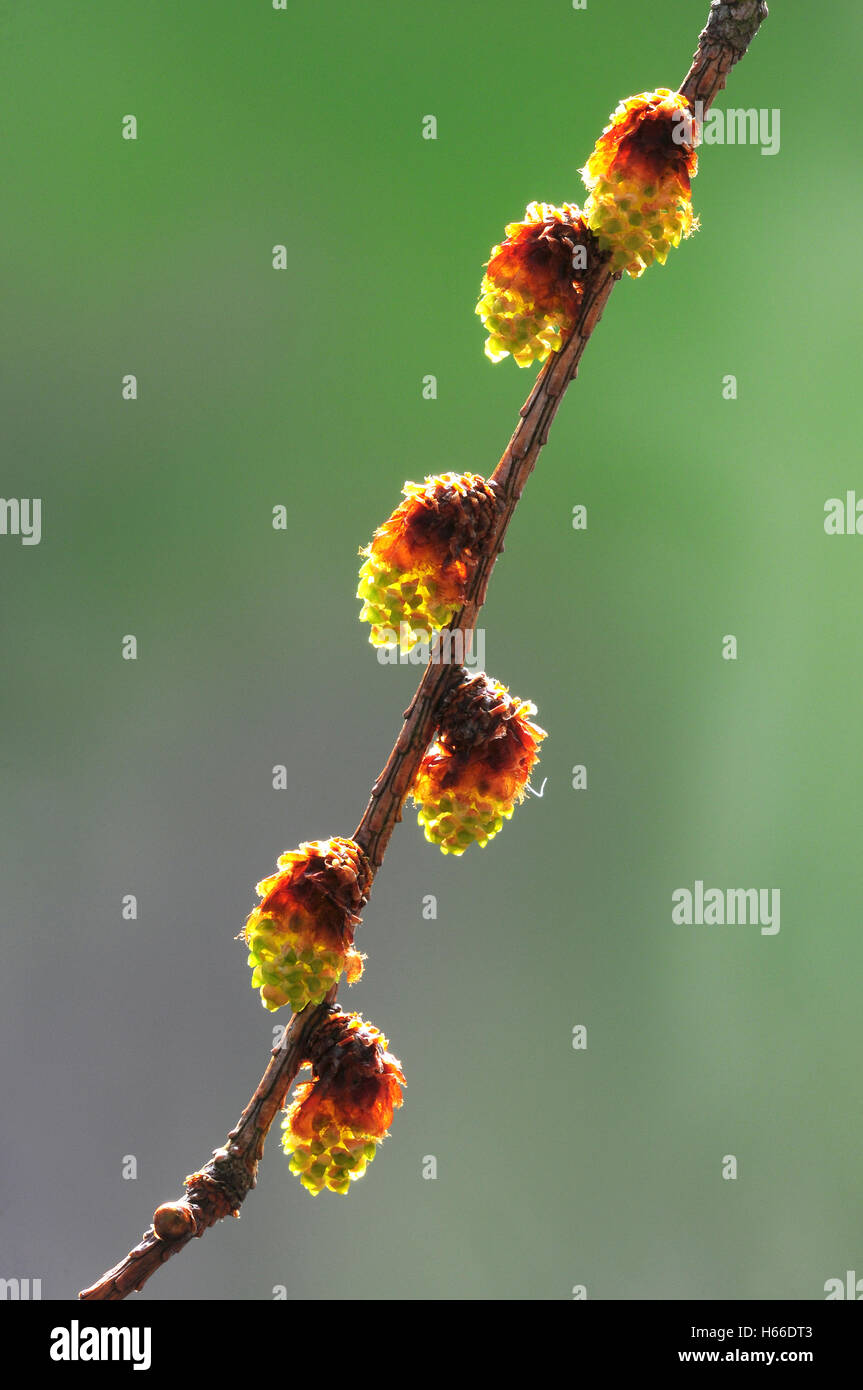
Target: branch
[729, 31]
[221, 1186]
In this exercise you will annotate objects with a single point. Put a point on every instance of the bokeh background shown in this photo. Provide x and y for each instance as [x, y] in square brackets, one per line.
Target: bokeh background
[304, 388]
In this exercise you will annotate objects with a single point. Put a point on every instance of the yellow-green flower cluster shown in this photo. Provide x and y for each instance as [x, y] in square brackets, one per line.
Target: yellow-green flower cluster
[639, 180]
[455, 822]
[337, 1120]
[284, 971]
[476, 772]
[420, 562]
[333, 1159]
[402, 608]
[301, 936]
[531, 289]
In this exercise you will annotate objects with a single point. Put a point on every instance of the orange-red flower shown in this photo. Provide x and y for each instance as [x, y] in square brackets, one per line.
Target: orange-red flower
[301, 936]
[639, 177]
[477, 770]
[420, 562]
[533, 283]
[336, 1121]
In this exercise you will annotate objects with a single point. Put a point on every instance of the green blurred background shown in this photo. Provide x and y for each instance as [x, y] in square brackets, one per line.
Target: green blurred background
[304, 387]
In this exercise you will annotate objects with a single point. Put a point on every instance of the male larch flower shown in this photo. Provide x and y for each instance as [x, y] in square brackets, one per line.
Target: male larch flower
[301, 936]
[420, 562]
[337, 1120]
[533, 283]
[639, 180]
[471, 779]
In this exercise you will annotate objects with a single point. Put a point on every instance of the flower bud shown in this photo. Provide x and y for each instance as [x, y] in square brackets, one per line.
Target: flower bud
[420, 562]
[301, 936]
[639, 180]
[533, 283]
[173, 1220]
[469, 782]
[336, 1121]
